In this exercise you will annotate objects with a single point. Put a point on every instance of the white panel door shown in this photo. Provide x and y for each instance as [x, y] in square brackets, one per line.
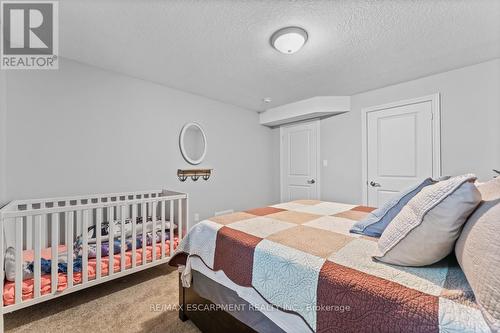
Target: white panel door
[399, 149]
[299, 161]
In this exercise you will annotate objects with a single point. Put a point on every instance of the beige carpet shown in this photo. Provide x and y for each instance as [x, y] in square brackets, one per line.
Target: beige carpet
[122, 305]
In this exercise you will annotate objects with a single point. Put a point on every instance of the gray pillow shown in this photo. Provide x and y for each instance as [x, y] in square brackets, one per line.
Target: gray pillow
[375, 223]
[478, 252]
[426, 229]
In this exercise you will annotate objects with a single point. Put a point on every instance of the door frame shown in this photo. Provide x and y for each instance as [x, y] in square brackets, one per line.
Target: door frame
[316, 123]
[436, 135]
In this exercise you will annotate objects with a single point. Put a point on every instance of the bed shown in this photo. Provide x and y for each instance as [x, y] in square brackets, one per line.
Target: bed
[295, 267]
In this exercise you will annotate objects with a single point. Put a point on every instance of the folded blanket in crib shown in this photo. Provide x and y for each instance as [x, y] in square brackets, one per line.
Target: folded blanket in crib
[127, 225]
[92, 247]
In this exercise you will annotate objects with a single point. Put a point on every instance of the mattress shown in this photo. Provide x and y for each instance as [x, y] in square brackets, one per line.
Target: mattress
[299, 257]
[28, 284]
[288, 322]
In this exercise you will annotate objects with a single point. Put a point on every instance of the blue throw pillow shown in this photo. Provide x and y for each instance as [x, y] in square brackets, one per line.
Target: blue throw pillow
[374, 224]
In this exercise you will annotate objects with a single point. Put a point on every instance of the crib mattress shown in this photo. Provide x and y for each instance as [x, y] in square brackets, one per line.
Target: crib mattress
[62, 283]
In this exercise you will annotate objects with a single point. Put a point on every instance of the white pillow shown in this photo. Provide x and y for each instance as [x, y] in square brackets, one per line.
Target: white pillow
[478, 252]
[426, 229]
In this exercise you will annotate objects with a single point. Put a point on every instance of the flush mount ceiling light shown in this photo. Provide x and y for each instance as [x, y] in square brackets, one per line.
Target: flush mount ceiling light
[289, 40]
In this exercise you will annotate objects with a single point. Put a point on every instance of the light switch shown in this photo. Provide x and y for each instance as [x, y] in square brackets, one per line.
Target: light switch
[325, 163]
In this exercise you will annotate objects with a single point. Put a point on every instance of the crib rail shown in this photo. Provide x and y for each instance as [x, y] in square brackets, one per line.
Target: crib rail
[142, 229]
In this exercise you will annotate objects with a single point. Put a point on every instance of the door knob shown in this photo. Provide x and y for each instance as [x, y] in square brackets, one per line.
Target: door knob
[311, 181]
[373, 184]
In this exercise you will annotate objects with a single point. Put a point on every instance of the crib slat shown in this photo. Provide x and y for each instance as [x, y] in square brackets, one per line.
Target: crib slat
[19, 259]
[163, 203]
[98, 236]
[134, 234]
[180, 232]
[70, 216]
[122, 252]
[172, 224]
[85, 246]
[44, 227]
[153, 233]
[144, 231]
[79, 224]
[38, 253]
[28, 231]
[186, 214]
[54, 256]
[111, 243]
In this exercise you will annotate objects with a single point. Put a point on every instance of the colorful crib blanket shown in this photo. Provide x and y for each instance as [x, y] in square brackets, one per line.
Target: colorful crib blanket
[46, 264]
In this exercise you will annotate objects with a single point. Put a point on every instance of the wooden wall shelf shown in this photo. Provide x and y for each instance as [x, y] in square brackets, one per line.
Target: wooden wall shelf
[194, 174]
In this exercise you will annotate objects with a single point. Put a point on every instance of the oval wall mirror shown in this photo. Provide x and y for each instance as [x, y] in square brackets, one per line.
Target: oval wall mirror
[193, 143]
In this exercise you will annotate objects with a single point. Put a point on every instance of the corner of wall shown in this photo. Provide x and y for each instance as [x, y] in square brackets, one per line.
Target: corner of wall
[276, 172]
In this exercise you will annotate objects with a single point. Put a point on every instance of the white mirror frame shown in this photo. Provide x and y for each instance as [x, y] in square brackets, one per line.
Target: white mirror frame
[181, 143]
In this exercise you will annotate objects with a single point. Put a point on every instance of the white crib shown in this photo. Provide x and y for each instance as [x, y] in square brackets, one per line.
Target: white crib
[43, 223]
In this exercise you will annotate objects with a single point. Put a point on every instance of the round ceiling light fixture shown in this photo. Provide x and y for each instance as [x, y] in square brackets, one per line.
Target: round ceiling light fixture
[289, 40]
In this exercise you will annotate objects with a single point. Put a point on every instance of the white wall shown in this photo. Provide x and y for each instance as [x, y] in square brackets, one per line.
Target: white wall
[470, 115]
[3, 139]
[83, 130]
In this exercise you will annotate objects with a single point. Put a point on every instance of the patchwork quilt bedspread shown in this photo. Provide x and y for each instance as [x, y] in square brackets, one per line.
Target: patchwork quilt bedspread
[300, 257]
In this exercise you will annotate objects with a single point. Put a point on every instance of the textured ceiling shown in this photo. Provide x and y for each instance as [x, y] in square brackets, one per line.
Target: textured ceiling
[220, 49]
